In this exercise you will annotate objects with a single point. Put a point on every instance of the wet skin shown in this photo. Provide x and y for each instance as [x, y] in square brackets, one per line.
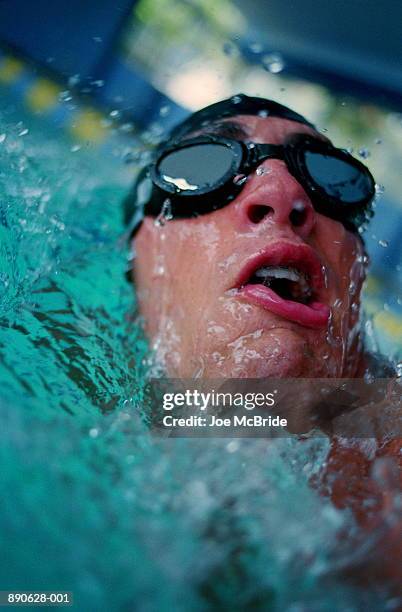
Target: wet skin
[190, 276]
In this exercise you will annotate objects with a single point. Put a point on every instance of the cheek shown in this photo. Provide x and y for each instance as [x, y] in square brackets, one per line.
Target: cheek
[174, 273]
[342, 254]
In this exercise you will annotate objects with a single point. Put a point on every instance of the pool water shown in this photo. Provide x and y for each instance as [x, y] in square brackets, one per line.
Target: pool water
[91, 502]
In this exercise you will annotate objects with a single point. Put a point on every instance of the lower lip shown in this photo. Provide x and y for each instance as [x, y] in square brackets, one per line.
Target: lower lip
[315, 315]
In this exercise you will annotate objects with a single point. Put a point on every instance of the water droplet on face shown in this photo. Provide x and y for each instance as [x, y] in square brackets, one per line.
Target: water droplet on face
[368, 377]
[325, 276]
[364, 153]
[159, 270]
[352, 288]
[273, 63]
[299, 205]
[383, 243]
[165, 214]
[240, 179]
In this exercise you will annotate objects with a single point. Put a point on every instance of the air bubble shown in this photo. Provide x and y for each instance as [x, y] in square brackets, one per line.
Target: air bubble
[23, 132]
[2, 138]
[379, 189]
[273, 63]
[127, 128]
[261, 170]
[378, 141]
[263, 113]
[164, 110]
[233, 446]
[383, 243]
[115, 113]
[236, 99]
[255, 47]
[65, 96]
[74, 80]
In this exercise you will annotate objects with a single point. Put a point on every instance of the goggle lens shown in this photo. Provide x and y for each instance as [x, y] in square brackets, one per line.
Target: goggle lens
[196, 167]
[338, 178]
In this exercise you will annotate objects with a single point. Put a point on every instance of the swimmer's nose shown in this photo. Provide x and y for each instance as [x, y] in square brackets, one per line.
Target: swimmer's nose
[273, 196]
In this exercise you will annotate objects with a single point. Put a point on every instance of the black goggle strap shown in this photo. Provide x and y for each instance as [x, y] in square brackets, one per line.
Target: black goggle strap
[134, 205]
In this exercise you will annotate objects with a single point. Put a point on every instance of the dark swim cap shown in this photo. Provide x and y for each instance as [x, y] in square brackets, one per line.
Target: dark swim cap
[236, 105]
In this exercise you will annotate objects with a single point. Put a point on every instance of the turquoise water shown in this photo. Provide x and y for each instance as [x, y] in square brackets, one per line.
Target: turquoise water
[91, 503]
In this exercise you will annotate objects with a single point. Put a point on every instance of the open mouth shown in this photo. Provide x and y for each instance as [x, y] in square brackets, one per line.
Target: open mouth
[286, 279]
[287, 282]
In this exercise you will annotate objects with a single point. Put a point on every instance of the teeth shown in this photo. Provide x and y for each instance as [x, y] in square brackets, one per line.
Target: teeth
[288, 282]
[289, 273]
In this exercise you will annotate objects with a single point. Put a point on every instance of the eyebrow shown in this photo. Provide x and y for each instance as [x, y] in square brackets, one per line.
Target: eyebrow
[229, 129]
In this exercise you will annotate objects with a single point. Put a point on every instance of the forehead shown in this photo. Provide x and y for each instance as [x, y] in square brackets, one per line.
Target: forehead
[272, 130]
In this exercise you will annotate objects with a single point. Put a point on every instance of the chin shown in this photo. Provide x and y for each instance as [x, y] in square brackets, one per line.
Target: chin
[277, 353]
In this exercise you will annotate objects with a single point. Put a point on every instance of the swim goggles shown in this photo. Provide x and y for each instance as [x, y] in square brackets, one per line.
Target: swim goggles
[199, 175]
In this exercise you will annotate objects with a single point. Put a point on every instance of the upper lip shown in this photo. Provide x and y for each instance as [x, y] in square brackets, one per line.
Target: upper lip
[299, 256]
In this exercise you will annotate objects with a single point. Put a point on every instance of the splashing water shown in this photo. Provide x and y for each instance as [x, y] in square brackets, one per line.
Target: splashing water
[90, 502]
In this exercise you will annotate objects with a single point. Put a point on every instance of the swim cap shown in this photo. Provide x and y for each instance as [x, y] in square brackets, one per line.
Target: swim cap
[236, 105]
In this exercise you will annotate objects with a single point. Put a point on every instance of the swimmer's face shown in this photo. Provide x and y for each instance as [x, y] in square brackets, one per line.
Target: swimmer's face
[207, 313]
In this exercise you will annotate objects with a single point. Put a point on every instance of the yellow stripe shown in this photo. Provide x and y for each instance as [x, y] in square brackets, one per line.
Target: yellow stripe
[10, 69]
[43, 95]
[87, 125]
[391, 324]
